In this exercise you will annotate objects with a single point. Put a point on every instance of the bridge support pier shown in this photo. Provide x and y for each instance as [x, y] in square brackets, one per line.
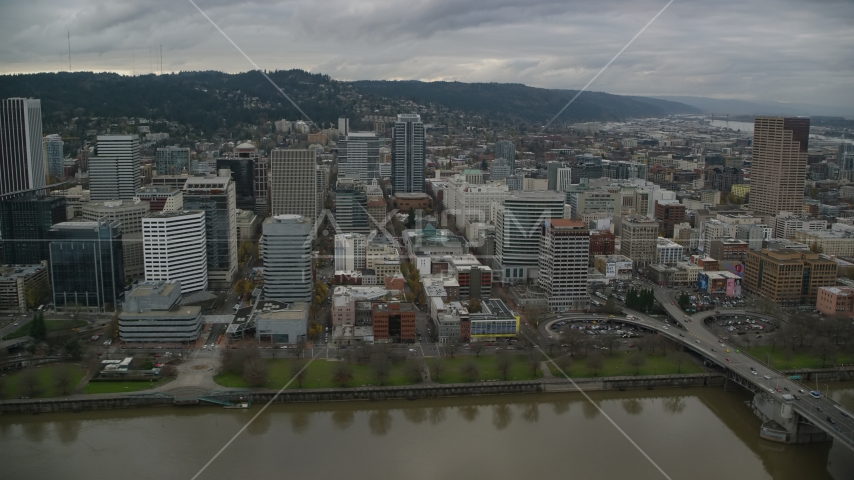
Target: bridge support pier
[782, 424]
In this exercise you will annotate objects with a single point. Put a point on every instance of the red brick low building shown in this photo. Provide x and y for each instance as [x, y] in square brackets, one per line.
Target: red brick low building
[601, 243]
[393, 322]
[835, 301]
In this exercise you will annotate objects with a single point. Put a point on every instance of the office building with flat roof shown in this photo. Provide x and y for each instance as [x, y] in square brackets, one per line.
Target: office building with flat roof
[216, 197]
[286, 250]
[175, 248]
[407, 155]
[563, 263]
[779, 164]
[22, 158]
[151, 313]
[86, 264]
[114, 171]
[293, 183]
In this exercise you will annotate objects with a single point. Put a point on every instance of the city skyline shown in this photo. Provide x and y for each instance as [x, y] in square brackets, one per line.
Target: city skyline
[727, 50]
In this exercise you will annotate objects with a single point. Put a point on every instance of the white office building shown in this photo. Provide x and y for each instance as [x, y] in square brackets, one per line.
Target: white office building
[114, 171]
[359, 156]
[175, 248]
[668, 252]
[476, 203]
[349, 252]
[563, 263]
[286, 250]
[217, 198]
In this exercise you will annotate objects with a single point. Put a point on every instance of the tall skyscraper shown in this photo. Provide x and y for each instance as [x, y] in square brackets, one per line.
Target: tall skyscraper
[564, 255]
[293, 183]
[286, 250]
[175, 248]
[172, 160]
[359, 155]
[779, 166]
[22, 161]
[129, 215]
[54, 155]
[242, 166]
[407, 158]
[215, 196]
[507, 150]
[114, 171]
[86, 266]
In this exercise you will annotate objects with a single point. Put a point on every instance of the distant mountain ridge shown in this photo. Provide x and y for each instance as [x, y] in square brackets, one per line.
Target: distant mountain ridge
[523, 103]
[209, 101]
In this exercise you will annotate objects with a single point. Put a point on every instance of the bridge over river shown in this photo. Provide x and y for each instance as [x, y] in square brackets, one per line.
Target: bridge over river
[791, 413]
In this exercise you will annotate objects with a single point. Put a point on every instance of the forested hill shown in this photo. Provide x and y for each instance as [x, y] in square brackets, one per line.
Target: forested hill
[208, 101]
[524, 103]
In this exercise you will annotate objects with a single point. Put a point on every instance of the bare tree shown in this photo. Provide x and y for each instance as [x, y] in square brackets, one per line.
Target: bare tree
[381, 366]
[30, 383]
[342, 374]
[255, 371]
[636, 360]
[62, 377]
[476, 347]
[503, 362]
[298, 349]
[414, 370]
[450, 349]
[611, 341]
[824, 349]
[469, 371]
[595, 362]
[298, 372]
[678, 357]
[564, 362]
[437, 368]
[573, 339]
[533, 359]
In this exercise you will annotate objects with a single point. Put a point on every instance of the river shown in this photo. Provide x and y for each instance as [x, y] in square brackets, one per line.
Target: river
[699, 433]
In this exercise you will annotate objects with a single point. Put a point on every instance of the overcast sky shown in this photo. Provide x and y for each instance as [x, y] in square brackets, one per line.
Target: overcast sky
[762, 50]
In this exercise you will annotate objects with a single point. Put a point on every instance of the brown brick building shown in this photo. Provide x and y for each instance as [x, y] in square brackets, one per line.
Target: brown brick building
[601, 243]
[393, 322]
[668, 215]
[788, 277]
[728, 250]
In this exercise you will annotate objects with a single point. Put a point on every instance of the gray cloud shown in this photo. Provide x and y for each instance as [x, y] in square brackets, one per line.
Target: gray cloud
[781, 50]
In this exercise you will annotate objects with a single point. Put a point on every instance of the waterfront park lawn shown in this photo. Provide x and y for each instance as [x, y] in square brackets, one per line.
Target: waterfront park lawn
[615, 366]
[318, 375]
[46, 376]
[782, 358]
[123, 387]
[487, 369]
[52, 326]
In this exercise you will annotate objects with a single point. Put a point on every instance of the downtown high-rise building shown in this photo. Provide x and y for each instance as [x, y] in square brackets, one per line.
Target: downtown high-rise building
[22, 160]
[175, 248]
[351, 206]
[358, 156]
[518, 228]
[563, 263]
[216, 197]
[293, 183]
[407, 154]
[507, 150]
[53, 152]
[779, 165]
[86, 264]
[286, 250]
[172, 160]
[114, 170]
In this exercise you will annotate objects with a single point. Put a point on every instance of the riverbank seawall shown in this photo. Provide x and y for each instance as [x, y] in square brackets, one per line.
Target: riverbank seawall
[78, 403]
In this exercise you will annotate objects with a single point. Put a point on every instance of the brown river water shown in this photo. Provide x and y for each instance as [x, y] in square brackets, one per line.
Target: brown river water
[699, 433]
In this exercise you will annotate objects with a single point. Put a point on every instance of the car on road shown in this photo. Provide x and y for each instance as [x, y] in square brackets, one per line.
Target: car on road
[681, 335]
[818, 408]
[766, 377]
[728, 360]
[815, 394]
[15, 324]
[698, 342]
[754, 372]
[714, 350]
[800, 390]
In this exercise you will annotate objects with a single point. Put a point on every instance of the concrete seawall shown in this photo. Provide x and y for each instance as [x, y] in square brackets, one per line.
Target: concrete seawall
[110, 402]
